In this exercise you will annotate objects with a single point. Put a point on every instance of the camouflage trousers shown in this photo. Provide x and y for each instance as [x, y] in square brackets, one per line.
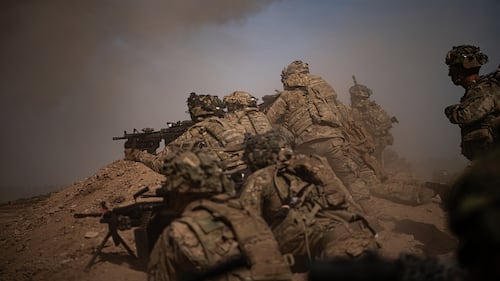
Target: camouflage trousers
[327, 235]
[348, 166]
[408, 192]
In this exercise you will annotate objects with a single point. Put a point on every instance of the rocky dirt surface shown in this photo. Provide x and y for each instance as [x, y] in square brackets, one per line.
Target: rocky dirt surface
[41, 240]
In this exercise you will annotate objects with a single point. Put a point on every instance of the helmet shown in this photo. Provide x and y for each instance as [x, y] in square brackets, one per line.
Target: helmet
[195, 172]
[201, 106]
[239, 100]
[467, 56]
[295, 74]
[359, 91]
[297, 67]
[266, 149]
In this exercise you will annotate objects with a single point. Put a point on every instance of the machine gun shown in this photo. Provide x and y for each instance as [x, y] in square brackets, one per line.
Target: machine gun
[148, 139]
[148, 219]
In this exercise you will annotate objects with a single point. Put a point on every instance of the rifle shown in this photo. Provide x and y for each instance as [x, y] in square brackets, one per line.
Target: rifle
[148, 219]
[148, 139]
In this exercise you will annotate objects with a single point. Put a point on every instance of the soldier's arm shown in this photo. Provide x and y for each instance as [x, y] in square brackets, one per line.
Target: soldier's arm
[252, 194]
[475, 106]
[155, 162]
[277, 110]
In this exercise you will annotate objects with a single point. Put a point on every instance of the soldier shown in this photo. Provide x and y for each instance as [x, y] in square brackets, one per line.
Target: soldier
[300, 197]
[210, 130]
[242, 108]
[478, 113]
[372, 117]
[213, 239]
[309, 109]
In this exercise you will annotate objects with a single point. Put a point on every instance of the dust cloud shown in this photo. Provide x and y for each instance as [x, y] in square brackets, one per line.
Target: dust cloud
[76, 73]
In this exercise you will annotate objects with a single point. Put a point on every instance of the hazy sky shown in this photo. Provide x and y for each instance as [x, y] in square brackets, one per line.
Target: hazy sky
[76, 73]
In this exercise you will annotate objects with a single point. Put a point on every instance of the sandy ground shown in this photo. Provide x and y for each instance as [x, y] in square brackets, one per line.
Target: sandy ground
[41, 240]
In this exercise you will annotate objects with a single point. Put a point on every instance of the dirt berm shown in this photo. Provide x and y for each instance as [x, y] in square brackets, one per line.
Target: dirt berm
[41, 240]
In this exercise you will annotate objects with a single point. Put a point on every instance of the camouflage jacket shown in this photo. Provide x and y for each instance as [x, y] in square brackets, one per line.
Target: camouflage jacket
[305, 183]
[478, 113]
[374, 118]
[308, 208]
[223, 136]
[308, 112]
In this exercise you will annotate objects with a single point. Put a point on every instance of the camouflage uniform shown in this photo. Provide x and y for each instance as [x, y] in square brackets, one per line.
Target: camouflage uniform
[308, 108]
[362, 144]
[210, 130]
[308, 208]
[212, 239]
[242, 109]
[372, 117]
[478, 113]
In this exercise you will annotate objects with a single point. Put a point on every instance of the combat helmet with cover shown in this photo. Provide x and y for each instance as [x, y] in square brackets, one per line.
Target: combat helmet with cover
[296, 74]
[359, 91]
[195, 172]
[201, 106]
[266, 149]
[238, 100]
[467, 56]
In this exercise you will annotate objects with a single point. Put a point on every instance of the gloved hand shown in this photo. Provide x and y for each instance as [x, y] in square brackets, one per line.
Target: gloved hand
[132, 154]
[448, 111]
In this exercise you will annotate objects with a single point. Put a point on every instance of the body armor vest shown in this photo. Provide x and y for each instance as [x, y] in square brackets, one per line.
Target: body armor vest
[255, 239]
[228, 140]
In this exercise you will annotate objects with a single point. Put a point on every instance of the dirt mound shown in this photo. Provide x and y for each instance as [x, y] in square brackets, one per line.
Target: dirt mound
[41, 240]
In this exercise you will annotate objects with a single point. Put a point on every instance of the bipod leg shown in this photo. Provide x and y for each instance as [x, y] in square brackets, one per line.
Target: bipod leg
[97, 252]
[126, 246]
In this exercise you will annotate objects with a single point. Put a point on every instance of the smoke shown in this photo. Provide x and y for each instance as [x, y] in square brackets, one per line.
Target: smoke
[75, 73]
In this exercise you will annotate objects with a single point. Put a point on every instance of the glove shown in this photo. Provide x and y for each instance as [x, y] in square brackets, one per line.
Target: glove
[132, 154]
[448, 111]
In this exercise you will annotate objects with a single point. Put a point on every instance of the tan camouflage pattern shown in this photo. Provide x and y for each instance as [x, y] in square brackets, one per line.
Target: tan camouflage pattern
[210, 235]
[254, 121]
[315, 117]
[478, 115]
[377, 123]
[239, 100]
[223, 136]
[308, 208]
